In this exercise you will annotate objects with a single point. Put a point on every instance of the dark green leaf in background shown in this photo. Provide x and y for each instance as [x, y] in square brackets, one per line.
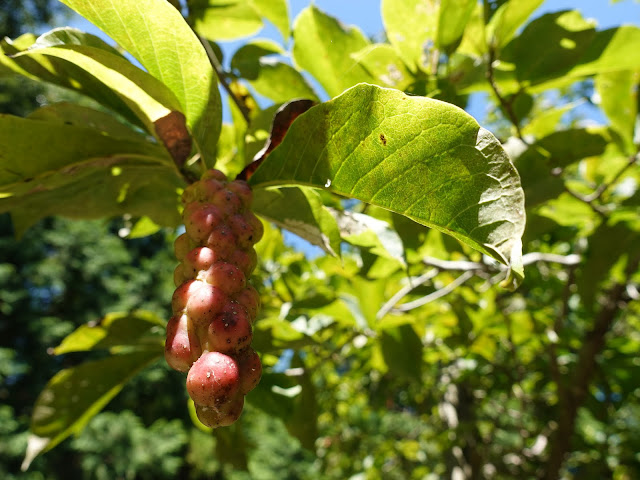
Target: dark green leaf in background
[75, 395]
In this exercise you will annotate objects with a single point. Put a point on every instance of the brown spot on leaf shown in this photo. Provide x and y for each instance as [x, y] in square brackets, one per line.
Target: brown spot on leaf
[383, 139]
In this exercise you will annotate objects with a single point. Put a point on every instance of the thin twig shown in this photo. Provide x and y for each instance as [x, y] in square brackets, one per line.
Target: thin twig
[605, 186]
[413, 283]
[437, 294]
[533, 257]
[596, 208]
[453, 265]
[215, 63]
[506, 105]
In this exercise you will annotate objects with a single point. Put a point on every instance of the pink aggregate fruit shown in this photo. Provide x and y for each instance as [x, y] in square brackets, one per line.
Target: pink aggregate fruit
[214, 306]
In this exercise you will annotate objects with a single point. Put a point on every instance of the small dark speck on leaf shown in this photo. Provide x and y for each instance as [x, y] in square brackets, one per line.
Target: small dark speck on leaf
[383, 139]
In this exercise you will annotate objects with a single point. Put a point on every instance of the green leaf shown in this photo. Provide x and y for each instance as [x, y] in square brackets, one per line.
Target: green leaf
[402, 351]
[268, 76]
[563, 37]
[365, 231]
[302, 422]
[618, 100]
[546, 122]
[74, 395]
[505, 22]
[473, 41]
[147, 97]
[224, 19]
[135, 329]
[323, 46]
[259, 132]
[29, 148]
[155, 33]
[80, 116]
[601, 257]
[62, 73]
[611, 50]
[384, 66]
[72, 36]
[299, 210]
[277, 12]
[553, 153]
[454, 15]
[412, 29]
[419, 157]
[83, 174]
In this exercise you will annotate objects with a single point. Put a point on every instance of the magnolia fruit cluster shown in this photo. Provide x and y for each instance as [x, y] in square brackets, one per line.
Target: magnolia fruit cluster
[214, 307]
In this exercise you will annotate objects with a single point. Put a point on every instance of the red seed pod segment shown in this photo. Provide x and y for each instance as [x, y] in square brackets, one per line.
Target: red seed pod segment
[214, 306]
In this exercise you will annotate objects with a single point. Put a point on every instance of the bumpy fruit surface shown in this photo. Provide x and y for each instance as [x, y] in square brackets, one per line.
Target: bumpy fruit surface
[214, 306]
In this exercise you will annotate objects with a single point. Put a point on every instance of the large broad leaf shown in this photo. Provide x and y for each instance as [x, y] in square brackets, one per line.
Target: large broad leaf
[151, 101]
[422, 158]
[29, 148]
[224, 19]
[299, 210]
[155, 33]
[74, 395]
[505, 22]
[323, 46]
[51, 168]
[116, 330]
[62, 73]
[402, 351]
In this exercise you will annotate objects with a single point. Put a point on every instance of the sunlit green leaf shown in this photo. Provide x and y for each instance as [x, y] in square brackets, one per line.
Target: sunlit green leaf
[269, 76]
[147, 97]
[224, 19]
[160, 39]
[618, 100]
[505, 22]
[412, 28]
[454, 15]
[277, 12]
[322, 46]
[448, 173]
